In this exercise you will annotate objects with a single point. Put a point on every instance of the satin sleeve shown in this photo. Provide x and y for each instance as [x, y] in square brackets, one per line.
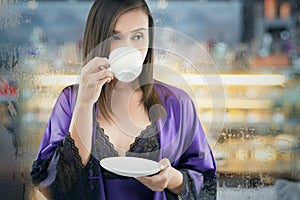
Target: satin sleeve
[59, 122]
[58, 169]
[197, 185]
[62, 175]
[197, 163]
[185, 144]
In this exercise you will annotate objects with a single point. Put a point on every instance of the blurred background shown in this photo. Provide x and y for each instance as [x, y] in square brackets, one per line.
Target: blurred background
[238, 59]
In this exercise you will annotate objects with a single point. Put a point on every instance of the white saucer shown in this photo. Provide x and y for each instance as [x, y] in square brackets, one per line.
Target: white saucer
[130, 166]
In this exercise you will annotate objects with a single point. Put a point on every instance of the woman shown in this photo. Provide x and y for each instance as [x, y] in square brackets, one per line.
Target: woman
[103, 117]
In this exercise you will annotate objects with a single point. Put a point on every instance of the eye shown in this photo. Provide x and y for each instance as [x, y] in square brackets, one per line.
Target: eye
[138, 36]
[115, 37]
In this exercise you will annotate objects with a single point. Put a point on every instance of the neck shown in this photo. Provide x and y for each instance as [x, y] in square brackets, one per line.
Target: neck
[122, 87]
[125, 92]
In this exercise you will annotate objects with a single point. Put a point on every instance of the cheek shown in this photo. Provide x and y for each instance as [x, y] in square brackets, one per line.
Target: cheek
[143, 48]
[144, 52]
[113, 46]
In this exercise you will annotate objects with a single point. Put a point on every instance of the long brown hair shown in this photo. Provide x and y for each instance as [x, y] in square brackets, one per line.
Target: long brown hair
[99, 27]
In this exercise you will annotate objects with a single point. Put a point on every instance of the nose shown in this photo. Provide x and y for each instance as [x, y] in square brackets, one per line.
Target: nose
[126, 43]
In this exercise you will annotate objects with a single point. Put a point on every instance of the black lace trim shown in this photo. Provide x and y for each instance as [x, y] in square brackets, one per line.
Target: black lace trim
[103, 148]
[69, 142]
[209, 190]
[189, 187]
[186, 184]
[146, 142]
[145, 134]
[143, 146]
[69, 152]
[192, 191]
[39, 170]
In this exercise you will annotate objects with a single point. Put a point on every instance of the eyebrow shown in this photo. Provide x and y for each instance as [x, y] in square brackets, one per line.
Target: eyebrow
[136, 30]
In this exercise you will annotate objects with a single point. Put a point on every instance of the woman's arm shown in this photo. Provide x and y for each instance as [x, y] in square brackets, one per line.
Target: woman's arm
[58, 169]
[66, 144]
[93, 76]
[184, 143]
[81, 129]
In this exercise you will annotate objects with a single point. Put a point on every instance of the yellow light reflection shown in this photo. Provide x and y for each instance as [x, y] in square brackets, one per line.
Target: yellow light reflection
[232, 103]
[266, 154]
[236, 79]
[58, 80]
[225, 79]
[241, 154]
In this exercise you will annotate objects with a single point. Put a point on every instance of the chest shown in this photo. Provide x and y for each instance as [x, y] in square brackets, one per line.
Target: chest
[122, 133]
[129, 119]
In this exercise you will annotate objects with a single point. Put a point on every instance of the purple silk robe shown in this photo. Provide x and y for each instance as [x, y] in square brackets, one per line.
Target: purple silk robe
[181, 138]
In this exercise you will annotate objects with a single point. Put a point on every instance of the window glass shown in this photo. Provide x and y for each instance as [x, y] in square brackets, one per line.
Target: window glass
[238, 59]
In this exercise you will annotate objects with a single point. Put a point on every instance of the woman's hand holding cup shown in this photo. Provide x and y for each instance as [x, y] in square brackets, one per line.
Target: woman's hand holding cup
[93, 76]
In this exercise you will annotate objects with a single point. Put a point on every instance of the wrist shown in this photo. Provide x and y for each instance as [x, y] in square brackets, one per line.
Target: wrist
[176, 181]
[83, 105]
[84, 101]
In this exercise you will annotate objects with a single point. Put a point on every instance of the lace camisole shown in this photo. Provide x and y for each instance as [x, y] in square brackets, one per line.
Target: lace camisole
[146, 145]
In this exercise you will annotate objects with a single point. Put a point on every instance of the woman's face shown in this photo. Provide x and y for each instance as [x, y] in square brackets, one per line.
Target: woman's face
[131, 30]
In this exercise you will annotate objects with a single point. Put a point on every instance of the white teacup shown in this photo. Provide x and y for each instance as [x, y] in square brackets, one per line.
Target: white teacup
[126, 63]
